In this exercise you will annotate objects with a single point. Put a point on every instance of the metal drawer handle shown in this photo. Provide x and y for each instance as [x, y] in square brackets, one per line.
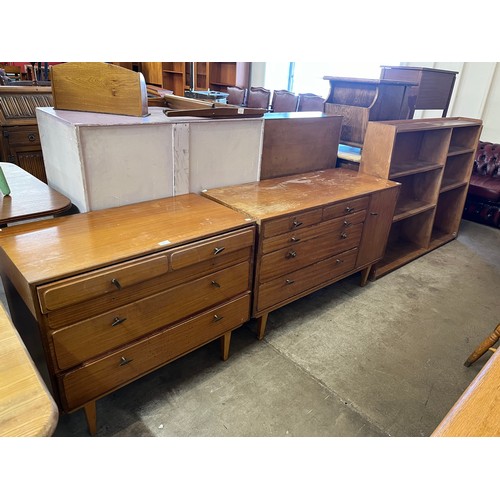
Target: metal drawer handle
[343, 235]
[218, 250]
[116, 283]
[349, 209]
[347, 223]
[218, 318]
[117, 321]
[31, 137]
[339, 261]
[215, 284]
[373, 213]
[293, 238]
[291, 254]
[289, 282]
[297, 223]
[125, 361]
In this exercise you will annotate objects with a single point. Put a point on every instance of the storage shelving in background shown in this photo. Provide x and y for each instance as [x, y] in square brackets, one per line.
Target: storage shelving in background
[432, 159]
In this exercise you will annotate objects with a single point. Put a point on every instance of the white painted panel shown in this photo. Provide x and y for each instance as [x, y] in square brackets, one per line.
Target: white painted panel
[224, 152]
[126, 164]
[180, 137]
[61, 155]
[491, 113]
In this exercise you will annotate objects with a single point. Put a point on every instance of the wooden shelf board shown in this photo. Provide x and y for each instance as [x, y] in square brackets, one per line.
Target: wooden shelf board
[459, 150]
[449, 185]
[412, 167]
[411, 208]
[439, 238]
[397, 255]
[172, 72]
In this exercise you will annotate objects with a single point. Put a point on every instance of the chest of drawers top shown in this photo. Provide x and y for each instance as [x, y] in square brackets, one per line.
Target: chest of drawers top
[272, 198]
[53, 249]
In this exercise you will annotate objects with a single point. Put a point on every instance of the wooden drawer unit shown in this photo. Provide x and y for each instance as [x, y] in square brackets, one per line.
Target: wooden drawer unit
[314, 229]
[109, 307]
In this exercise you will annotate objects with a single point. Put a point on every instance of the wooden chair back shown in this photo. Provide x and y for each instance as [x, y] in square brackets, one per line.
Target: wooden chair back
[237, 96]
[258, 97]
[284, 101]
[310, 102]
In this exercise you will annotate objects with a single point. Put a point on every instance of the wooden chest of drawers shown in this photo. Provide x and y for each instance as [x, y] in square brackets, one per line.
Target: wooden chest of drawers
[314, 229]
[116, 293]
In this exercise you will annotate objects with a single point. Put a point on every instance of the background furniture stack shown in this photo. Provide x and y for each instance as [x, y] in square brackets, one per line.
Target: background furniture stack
[432, 159]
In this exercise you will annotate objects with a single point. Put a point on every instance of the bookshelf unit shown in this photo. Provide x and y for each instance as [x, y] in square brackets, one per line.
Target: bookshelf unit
[226, 74]
[432, 159]
[174, 77]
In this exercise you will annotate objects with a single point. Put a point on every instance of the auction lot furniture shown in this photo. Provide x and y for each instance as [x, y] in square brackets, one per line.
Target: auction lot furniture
[105, 297]
[26, 406]
[432, 159]
[19, 135]
[432, 90]
[29, 198]
[361, 100]
[314, 229]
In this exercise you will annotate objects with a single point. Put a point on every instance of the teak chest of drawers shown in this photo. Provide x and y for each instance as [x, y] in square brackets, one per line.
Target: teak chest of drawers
[313, 229]
[117, 293]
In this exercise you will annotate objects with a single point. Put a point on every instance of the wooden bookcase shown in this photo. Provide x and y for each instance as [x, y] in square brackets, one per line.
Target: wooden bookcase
[226, 74]
[432, 159]
[174, 77]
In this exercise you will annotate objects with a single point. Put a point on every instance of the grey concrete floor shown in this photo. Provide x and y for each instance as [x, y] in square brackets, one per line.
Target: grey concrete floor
[346, 361]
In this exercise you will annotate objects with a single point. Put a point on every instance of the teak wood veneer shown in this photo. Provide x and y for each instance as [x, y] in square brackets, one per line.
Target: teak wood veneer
[313, 230]
[108, 296]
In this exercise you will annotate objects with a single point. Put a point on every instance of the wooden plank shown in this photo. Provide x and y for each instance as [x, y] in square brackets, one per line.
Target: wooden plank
[100, 88]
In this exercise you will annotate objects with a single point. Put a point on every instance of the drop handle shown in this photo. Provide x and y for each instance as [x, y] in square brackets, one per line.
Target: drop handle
[347, 223]
[116, 283]
[124, 361]
[217, 317]
[349, 209]
[296, 223]
[291, 254]
[339, 261]
[343, 235]
[117, 321]
[215, 284]
[293, 238]
[289, 282]
[373, 213]
[218, 250]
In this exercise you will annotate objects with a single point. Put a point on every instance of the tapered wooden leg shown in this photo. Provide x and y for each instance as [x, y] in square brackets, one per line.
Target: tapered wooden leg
[90, 415]
[364, 275]
[484, 346]
[225, 341]
[261, 326]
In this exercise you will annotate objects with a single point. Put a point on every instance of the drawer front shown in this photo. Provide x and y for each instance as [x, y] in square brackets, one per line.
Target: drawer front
[303, 254]
[87, 339]
[345, 207]
[286, 287]
[291, 223]
[192, 254]
[115, 370]
[25, 137]
[99, 283]
[301, 235]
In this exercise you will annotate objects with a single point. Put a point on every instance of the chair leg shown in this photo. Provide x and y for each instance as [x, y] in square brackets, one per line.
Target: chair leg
[486, 344]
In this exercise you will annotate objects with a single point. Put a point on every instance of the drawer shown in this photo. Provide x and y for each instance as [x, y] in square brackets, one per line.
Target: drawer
[99, 283]
[345, 207]
[291, 223]
[302, 254]
[306, 233]
[24, 137]
[101, 376]
[286, 287]
[208, 249]
[99, 334]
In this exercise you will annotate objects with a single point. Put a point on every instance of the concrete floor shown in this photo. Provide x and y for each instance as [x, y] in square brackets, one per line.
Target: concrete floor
[382, 360]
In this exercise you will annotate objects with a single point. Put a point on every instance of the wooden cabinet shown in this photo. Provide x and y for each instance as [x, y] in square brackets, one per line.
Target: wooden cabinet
[314, 229]
[119, 292]
[20, 139]
[226, 74]
[432, 159]
[432, 89]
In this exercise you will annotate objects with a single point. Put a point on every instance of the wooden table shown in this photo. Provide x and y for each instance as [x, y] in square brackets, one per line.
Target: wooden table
[26, 406]
[477, 412]
[29, 198]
